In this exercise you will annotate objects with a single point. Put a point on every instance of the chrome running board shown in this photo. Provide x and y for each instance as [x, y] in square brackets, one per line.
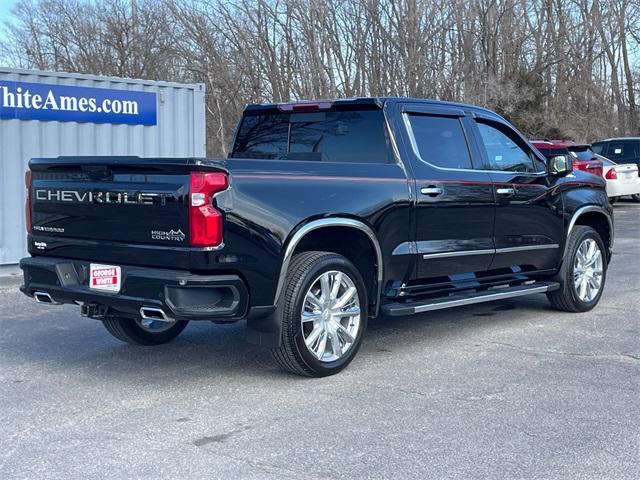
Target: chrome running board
[467, 298]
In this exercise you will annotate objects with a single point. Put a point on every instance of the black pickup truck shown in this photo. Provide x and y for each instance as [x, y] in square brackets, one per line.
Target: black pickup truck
[324, 214]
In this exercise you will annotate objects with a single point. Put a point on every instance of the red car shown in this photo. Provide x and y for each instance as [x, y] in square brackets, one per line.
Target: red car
[583, 157]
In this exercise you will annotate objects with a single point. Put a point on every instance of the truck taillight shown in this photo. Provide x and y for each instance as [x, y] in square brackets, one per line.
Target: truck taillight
[205, 222]
[27, 182]
[611, 174]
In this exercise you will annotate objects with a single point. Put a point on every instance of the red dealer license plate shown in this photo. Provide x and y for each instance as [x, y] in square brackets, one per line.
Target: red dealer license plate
[104, 277]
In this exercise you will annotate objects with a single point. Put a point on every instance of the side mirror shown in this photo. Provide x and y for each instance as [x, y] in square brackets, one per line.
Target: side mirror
[560, 165]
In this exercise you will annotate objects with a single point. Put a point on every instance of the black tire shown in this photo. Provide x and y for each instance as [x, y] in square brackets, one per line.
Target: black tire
[293, 354]
[128, 331]
[566, 297]
[636, 198]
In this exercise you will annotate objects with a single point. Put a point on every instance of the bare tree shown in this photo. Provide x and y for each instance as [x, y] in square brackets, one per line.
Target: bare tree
[565, 68]
[104, 38]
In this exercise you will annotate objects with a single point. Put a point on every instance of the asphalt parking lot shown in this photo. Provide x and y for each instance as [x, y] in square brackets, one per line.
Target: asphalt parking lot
[502, 390]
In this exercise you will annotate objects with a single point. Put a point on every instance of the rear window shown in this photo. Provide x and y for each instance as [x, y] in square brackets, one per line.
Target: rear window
[621, 151]
[354, 136]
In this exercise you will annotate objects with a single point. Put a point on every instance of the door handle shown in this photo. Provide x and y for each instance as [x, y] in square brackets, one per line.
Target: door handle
[431, 191]
[505, 191]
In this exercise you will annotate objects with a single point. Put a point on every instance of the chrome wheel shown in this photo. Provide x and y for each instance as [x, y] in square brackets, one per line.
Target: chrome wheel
[154, 326]
[331, 316]
[588, 270]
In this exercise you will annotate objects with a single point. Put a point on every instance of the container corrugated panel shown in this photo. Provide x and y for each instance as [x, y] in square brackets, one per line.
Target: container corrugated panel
[179, 132]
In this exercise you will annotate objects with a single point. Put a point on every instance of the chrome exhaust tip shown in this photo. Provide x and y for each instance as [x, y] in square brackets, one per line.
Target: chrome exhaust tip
[157, 314]
[44, 297]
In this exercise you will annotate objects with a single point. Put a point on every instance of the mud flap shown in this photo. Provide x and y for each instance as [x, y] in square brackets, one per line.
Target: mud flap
[264, 327]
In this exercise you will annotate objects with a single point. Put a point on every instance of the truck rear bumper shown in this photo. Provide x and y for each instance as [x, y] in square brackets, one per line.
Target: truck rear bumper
[179, 294]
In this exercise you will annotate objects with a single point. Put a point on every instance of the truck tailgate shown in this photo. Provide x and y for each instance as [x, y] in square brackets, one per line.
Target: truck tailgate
[92, 207]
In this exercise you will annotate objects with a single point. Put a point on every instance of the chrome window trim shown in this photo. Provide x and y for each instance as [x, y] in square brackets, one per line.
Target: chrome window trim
[330, 222]
[394, 146]
[489, 122]
[416, 152]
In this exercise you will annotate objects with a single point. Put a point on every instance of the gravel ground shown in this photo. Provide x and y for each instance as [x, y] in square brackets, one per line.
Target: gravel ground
[506, 390]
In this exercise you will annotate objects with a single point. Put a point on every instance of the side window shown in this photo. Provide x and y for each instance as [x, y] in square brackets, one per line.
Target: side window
[440, 141]
[598, 148]
[504, 151]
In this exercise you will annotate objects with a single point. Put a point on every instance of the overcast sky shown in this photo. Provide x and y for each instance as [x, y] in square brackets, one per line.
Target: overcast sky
[5, 9]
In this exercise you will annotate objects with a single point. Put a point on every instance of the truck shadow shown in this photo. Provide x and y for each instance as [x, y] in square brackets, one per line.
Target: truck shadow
[62, 341]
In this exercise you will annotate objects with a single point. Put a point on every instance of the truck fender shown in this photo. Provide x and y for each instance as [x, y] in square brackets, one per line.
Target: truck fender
[263, 326]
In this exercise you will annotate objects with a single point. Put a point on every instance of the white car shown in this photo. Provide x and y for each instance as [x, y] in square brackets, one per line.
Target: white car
[622, 179]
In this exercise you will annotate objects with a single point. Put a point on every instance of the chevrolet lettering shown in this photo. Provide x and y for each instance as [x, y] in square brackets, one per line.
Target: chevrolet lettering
[125, 198]
[324, 215]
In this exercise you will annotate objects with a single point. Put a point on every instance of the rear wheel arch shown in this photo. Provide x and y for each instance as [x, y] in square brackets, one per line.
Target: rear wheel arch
[351, 238]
